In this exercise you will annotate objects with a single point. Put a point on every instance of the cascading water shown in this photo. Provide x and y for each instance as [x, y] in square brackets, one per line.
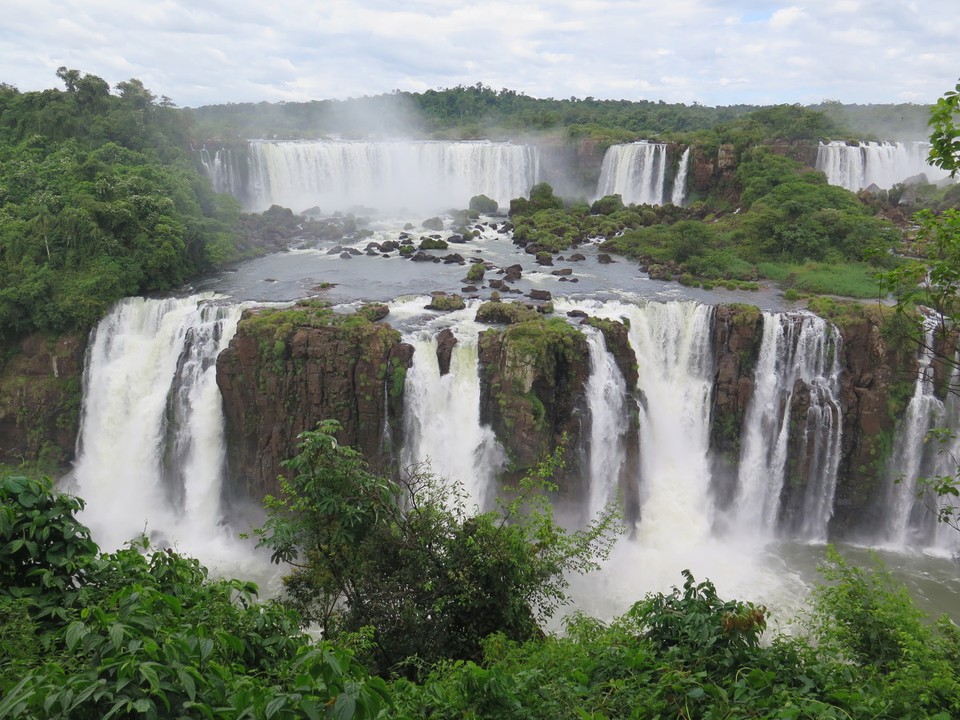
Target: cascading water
[910, 515]
[415, 175]
[869, 163]
[635, 171]
[442, 415]
[223, 171]
[606, 394]
[796, 353]
[151, 446]
[679, 194]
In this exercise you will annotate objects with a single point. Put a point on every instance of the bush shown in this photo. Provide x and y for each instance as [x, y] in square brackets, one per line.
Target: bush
[483, 205]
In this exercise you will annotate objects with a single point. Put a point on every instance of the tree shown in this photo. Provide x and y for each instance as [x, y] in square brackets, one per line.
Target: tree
[945, 133]
[145, 633]
[931, 281]
[406, 558]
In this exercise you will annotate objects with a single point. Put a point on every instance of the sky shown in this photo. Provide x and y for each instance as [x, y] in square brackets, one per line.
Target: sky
[714, 52]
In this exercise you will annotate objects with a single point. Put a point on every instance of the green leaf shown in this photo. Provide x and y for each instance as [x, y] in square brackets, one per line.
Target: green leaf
[76, 631]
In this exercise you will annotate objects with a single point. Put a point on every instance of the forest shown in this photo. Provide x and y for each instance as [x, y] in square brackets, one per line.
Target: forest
[425, 610]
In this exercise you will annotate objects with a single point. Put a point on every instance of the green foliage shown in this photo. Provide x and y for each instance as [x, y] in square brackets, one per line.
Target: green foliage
[607, 205]
[98, 200]
[945, 131]
[433, 244]
[483, 205]
[541, 198]
[690, 654]
[407, 559]
[90, 635]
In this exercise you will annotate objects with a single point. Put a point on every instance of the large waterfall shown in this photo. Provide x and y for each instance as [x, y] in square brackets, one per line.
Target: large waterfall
[442, 417]
[638, 173]
[795, 406]
[419, 176]
[870, 163]
[151, 446]
[151, 450]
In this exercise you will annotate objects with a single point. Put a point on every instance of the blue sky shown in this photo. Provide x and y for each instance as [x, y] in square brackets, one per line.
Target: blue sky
[715, 52]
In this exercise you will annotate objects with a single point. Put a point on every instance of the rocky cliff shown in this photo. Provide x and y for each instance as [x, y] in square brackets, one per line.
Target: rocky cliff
[40, 394]
[532, 377]
[285, 370]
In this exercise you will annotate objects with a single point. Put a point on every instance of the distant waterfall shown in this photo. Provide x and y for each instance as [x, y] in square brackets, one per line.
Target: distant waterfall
[606, 403]
[636, 172]
[869, 163]
[151, 446]
[418, 176]
[910, 521]
[442, 418]
[798, 354]
[679, 194]
[223, 170]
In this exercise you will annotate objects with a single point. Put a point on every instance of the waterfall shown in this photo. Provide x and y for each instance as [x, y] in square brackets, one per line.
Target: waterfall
[797, 365]
[151, 446]
[414, 175]
[675, 361]
[442, 417]
[910, 520]
[223, 171]
[636, 172]
[606, 403]
[869, 163]
[679, 194]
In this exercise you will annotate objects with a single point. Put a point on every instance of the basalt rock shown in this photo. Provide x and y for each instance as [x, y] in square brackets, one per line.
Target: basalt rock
[445, 342]
[285, 370]
[737, 332]
[40, 398]
[532, 379]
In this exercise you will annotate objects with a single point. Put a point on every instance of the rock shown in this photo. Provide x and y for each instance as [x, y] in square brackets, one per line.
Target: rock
[279, 378]
[346, 256]
[421, 256]
[445, 342]
[512, 273]
[604, 259]
[433, 223]
[576, 314]
[576, 257]
[544, 258]
[40, 399]
[453, 258]
[445, 302]
[504, 313]
[562, 271]
[543, 295]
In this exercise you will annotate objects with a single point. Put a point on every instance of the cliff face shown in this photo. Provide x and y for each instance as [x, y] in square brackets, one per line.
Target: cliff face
[532, 378]
[40, 397]
[877, 381]
[286, 370]
[737, 332]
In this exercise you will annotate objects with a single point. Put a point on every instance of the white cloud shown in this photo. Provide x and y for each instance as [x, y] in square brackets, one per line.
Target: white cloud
[719, 52]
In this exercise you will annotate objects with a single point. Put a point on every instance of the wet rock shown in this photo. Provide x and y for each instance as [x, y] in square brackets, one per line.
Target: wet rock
[445, 343]
[604, 259]
[543, 295]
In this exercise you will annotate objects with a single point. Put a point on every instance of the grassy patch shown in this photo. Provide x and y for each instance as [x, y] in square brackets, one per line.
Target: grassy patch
[856, 280]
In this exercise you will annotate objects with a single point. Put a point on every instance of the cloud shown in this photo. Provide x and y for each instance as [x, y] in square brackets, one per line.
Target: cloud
[717, 52]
